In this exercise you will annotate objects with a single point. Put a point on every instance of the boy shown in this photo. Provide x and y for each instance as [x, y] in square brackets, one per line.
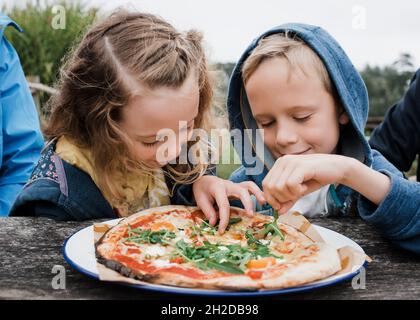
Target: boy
[296, 84]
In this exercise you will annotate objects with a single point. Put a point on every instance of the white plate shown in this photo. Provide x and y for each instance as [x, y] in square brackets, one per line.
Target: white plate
[79, 252]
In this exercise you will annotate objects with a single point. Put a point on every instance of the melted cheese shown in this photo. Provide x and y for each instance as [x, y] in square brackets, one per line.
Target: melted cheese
[161, 263]
[154, 250]
[178, 221]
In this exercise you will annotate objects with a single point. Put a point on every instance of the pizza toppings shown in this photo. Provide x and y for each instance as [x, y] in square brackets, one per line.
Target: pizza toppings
[285, 247]
[194, 248]
[139, 235]
[270, 229]
[133, 250]
[183, 243]
[255, 275]
[163, 225]
[207, 228]
[261, 263]
[178, 260]
[232, 259]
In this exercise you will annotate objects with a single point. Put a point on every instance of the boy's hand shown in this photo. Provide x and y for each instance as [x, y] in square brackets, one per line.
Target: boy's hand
[210, 190]
[294, 176]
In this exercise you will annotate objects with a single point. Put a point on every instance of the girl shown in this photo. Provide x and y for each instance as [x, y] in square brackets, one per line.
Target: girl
[132, 75]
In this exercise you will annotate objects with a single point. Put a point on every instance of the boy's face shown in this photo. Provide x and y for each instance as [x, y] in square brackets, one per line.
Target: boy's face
[297, 113]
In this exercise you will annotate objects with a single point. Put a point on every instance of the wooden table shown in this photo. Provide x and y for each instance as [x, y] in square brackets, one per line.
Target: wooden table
[30, 247]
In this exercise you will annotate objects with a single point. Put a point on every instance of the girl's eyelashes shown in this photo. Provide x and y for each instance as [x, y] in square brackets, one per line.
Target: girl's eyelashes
[154, 143]
[302, 118]
[267, 124]
[151, 144]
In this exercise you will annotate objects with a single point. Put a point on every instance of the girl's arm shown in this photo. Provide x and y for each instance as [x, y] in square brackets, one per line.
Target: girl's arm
[211, 190]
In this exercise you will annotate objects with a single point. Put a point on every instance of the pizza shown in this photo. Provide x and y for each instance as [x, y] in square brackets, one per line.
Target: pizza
[176, 245]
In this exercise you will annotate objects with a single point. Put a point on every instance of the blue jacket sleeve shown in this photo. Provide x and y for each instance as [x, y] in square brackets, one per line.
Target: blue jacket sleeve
[397, 217]
[21, 140]
[239, 175]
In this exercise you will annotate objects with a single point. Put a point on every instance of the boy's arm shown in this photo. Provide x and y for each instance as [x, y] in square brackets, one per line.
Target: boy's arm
[373, 185]
[397, 217]
[294, 176]
[386, 200]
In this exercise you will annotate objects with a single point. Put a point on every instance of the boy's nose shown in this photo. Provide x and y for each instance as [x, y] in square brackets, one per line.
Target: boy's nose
[285, 136]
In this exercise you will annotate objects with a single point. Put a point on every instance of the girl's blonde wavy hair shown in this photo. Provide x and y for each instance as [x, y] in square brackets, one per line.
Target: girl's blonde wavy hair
[93, 89]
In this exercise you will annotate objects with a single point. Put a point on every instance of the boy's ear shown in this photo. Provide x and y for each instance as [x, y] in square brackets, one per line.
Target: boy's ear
[343, 118]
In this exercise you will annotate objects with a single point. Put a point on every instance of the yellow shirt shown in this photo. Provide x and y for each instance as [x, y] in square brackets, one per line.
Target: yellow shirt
[140, 192]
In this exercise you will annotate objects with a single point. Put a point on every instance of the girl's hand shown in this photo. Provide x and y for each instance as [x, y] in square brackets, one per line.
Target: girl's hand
[210, 190]
[294, 176]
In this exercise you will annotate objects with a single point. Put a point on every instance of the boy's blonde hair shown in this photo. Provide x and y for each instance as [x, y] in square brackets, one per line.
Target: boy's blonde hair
[93, 88]
[296, 52]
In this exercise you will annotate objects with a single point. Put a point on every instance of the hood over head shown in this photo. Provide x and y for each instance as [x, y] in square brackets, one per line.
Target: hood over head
[344, 76]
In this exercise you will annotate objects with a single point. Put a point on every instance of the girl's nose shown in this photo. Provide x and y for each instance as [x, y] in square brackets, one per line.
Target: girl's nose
[175, 149]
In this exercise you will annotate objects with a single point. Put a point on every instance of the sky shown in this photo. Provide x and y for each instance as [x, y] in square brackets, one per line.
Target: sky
[372, 32]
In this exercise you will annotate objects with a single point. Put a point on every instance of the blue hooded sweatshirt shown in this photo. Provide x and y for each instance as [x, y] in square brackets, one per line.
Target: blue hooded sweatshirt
[21, 139]
[397, 217]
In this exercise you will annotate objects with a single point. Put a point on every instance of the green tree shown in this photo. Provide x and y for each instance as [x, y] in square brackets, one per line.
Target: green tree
[386, 85]
[41, 47]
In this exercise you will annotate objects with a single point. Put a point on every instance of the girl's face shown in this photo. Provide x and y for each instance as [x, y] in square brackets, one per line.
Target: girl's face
[163, 108]
[296, 112]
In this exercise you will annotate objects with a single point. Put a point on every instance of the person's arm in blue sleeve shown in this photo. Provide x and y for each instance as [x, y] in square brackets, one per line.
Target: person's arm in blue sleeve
[398, 137]
[397, 217]
[21, 140]
[238, 176]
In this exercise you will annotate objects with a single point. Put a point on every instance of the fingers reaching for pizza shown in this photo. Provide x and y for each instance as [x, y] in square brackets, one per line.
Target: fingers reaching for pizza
[253, 189]
[210, 191]
[294, 176]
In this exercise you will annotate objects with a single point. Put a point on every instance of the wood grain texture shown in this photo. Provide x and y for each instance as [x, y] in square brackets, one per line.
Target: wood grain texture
[30, 247]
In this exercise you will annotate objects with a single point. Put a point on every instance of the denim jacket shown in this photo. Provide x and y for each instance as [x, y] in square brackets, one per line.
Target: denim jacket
[61, 191]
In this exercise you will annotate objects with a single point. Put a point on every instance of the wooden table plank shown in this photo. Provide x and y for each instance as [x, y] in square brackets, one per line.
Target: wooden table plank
[30, 247]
